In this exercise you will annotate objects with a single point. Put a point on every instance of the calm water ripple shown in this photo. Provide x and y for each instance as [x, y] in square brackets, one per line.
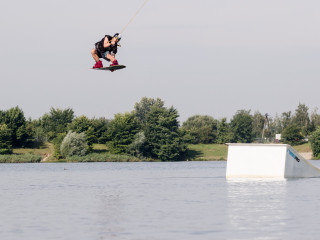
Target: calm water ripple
[152, 201]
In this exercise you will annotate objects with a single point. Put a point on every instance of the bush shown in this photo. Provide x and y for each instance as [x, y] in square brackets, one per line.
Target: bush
[315, 142]
[74, 144]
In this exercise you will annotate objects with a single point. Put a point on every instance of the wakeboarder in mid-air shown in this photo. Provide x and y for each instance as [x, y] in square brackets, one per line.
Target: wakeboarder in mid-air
[107, 49]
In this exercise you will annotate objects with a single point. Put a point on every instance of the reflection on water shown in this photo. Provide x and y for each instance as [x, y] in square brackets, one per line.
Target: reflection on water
[257, 204]
[152, 201]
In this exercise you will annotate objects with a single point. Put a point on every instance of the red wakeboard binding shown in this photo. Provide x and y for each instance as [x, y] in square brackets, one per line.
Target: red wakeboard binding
[98, 65]
[114, 63]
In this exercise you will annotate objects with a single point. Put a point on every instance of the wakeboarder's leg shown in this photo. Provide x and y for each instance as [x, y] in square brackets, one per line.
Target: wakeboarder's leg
[96, 58]
[112, 59]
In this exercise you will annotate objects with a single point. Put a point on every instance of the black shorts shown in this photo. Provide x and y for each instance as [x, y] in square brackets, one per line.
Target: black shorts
[103, 55]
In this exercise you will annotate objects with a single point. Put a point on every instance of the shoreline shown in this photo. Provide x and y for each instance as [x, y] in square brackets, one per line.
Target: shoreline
[196, 152]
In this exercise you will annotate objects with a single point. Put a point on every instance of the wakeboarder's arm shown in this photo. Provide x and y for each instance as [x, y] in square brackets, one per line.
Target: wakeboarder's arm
[106, 43]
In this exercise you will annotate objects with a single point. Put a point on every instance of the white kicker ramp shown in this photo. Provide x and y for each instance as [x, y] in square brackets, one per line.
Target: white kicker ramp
[267, 160]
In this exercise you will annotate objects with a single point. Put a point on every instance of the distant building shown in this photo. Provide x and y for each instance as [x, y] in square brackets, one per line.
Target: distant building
[278, 138]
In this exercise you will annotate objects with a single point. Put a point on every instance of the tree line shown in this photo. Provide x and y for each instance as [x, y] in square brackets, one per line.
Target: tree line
[152, 130]
[245, 127]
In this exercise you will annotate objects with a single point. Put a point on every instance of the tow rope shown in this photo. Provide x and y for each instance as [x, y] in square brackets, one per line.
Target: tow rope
[145, 2]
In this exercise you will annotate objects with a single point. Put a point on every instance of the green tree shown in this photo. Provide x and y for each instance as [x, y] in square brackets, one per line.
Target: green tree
[286, 119]
[84, 124]
[121, 132]
[80, 124]
[30, 133]
[224, 134]
[301, 118]
[5, 139]
[315, 142]
[241, 125]
[164, 141]
[292, 135]
[100, 127]
[142, 108]
[74, 144]
[2, 116]
[16, 122]
[258, 121]
[314, 120]
[40, 136]
[56, 121]
[275, 125]
[203, 129]
[160, 136]
[136, 148]
[57, 144]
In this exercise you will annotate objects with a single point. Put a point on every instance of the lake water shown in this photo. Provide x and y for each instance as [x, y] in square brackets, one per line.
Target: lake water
[152, 201]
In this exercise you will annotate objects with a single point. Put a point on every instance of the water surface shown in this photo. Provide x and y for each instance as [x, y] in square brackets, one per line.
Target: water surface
[152, 201]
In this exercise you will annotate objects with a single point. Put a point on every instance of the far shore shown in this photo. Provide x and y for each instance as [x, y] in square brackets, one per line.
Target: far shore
[196, 152]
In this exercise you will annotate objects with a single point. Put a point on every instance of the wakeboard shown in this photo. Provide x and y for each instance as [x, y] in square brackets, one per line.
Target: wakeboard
[111, 68]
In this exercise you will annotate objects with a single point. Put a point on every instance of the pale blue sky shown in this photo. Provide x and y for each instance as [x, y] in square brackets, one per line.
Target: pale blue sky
[209, 57]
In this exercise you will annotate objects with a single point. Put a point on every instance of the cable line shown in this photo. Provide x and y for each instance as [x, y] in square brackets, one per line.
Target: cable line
[134, 16]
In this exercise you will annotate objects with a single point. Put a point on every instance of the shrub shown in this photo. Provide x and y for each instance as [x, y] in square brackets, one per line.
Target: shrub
[74, 144]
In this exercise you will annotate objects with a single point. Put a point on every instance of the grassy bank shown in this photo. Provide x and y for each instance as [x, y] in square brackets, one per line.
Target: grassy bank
[103, 157]
[207, 152]
[28, 155]
[210, 152]
[45, 151]
[20, 158]
[306, 147]
[197, 152]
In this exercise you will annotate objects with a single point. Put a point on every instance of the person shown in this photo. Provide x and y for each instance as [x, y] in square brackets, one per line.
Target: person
[107, 49]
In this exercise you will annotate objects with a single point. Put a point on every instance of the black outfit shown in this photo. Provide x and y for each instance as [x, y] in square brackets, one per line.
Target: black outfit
[101, 50]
